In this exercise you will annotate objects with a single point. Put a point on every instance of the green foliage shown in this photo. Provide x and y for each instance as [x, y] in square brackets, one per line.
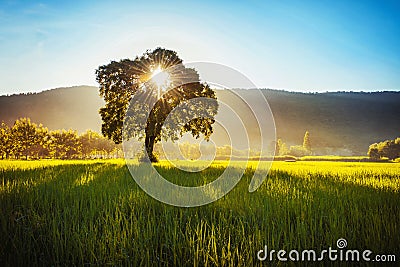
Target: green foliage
[95, 145]
[120, 81]
[389, 149]
[296, 151]
[35, 141]
[40, 148]
[373, 151]
[64, 144]
[281, 148]
[26, 133]
[299, 151]
[340, 158]
[75, 213]
[307, 142]
[6, 141]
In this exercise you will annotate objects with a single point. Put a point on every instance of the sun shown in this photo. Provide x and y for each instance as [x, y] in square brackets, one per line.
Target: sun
[160, 78]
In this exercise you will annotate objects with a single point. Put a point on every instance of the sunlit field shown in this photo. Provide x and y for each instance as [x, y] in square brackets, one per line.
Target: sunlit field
[93, 212]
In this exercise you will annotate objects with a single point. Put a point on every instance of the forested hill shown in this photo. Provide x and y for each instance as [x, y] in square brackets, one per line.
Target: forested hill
[69, 108]
[347, 122]
[342, 123]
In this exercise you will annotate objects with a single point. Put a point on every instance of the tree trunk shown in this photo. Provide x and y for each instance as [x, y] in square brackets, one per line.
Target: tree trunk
[149, 145]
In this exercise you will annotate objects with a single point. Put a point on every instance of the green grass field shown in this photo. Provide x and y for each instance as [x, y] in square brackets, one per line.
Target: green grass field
[93, 212]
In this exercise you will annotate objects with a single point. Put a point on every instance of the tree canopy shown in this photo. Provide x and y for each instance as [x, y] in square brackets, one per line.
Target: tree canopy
[389, 149]
[159, 83]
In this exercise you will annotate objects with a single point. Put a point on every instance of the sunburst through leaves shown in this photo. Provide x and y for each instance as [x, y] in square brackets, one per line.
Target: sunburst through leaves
[141, 93]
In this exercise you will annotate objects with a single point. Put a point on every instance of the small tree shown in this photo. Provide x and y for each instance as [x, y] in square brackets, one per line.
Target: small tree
[89, 141]
[6, 141]
[64, 144]
[306, 141]
[40, 148]
[298, 151]
[373, 151]
[25, 134]
[281, 148]
[94, 143]
[388, 148]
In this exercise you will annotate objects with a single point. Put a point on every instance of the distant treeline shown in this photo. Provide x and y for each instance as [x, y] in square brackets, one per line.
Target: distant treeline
[281, 149]
[28, 140]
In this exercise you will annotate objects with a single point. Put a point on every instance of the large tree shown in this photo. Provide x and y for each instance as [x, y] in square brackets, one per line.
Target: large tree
[122, 80]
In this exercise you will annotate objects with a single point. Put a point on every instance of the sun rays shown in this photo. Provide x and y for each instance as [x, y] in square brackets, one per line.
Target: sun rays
[161, 79]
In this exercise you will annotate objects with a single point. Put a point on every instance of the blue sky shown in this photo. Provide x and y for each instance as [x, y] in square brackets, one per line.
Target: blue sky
[293, 45]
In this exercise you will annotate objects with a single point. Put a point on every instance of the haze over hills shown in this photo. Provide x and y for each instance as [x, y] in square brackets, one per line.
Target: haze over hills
[69, 108]
[342, 123]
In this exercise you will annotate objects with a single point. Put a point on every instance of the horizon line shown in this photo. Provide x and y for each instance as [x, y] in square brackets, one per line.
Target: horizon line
[322, 91]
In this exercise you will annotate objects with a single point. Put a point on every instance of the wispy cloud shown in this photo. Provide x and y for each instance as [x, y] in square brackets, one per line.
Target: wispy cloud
[37, 9]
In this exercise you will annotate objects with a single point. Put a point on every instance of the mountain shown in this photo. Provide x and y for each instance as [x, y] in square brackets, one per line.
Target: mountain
[70, 108]
[342, 123]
